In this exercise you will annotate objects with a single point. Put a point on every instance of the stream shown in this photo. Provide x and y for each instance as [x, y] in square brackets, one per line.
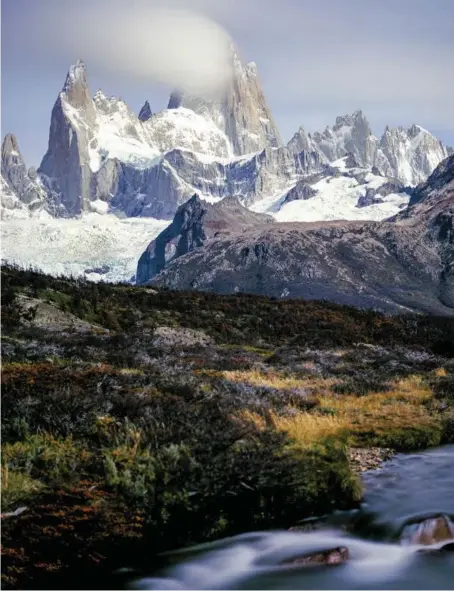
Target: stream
[393, 541]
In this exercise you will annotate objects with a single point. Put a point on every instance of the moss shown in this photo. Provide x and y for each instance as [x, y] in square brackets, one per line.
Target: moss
[405, 438]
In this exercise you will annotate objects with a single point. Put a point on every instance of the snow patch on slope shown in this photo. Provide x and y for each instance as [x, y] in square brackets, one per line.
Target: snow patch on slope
[336, 199]
[184, 129]
[117, 133]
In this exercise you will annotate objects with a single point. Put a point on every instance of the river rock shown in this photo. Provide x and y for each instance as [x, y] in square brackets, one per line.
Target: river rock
[432, 530]
[326, 557]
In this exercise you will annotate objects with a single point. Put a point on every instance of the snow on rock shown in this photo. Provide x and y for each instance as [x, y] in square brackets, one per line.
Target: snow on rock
[409, 155]
[242, 114]
[182, 128]
[335, 197]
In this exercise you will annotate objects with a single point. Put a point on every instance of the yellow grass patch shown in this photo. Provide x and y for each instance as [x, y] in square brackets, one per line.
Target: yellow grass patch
[276, 379]
[131, 371]
[379, 413]
[304, 427]
[397, 417]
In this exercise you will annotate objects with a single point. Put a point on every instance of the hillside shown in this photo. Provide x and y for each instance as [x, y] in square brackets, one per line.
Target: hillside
[138, 419]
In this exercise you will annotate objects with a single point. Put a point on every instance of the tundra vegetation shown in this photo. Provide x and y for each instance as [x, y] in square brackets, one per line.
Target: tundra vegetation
[138, 420]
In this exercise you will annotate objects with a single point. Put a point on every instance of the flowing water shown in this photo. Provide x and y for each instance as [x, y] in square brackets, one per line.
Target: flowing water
[387, 540]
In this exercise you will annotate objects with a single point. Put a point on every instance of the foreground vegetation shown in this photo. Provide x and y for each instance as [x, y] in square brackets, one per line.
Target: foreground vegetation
[138, 420]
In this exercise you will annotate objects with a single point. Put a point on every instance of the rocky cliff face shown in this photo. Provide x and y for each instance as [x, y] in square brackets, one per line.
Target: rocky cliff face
[408, 155]
[402, 264]
[242, 113]
[21, 188]
[412, 153]
[72, 129]
[194, 224]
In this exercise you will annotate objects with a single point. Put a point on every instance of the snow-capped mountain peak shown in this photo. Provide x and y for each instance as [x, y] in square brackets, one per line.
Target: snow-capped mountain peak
[409, 155]
[350, 134]
[241, 113]
[412, 154]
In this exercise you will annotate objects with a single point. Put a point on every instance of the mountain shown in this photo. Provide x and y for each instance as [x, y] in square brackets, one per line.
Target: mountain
[106, 166]
[241, 113]
[17, 180]
[405, 263]
[102, 157]
[194, 223]
[408, 155]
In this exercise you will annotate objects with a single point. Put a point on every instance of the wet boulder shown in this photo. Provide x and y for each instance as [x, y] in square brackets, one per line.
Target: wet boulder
[333, 556]
[428, 532]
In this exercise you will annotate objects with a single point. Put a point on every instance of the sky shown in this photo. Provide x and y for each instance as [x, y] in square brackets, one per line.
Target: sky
[316, 59]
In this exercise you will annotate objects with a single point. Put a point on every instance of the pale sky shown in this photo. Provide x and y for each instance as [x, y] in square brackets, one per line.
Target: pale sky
[316, 58]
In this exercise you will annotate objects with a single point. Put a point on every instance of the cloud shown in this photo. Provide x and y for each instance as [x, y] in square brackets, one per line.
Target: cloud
[173, 46]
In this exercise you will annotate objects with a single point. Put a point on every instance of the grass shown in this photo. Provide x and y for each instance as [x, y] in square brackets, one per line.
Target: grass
[17, 487]
[400, 418]
[276, 379]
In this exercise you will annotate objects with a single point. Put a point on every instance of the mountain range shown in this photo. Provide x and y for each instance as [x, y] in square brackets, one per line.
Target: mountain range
[102, 157]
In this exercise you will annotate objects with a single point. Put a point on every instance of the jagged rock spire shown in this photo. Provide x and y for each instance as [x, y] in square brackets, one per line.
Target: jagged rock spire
[242, 112]
[145, 112]
[67, 156]
[76, 88]
[15, 174]
[9, 145]
[301, 141]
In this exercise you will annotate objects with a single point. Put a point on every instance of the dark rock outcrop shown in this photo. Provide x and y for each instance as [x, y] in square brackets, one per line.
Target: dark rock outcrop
[145, 112]
[351, 161]
[300, 191]
[194, 224]
[375, 195]
[369, 198]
